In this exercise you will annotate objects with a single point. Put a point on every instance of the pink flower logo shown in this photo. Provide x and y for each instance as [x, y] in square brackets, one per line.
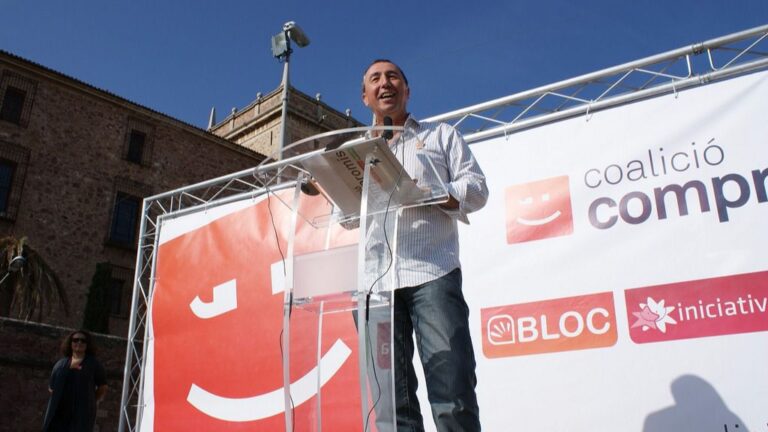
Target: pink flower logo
[654, 315]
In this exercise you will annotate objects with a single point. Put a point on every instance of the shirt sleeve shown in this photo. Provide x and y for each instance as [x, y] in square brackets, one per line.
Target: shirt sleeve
[466, 182]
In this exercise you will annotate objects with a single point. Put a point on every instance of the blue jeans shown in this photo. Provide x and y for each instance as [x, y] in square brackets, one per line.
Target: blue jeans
[438, 314]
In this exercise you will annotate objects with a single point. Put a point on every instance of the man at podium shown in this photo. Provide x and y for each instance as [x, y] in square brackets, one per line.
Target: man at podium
[428, 299]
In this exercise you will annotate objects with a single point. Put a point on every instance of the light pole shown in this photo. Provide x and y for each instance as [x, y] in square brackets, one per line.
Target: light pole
[281, 49]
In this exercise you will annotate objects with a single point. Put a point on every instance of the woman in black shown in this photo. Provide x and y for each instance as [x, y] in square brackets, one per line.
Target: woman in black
[77, 384]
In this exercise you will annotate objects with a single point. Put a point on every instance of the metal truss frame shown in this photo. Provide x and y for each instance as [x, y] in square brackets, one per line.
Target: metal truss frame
[670, 72]
[698, 64]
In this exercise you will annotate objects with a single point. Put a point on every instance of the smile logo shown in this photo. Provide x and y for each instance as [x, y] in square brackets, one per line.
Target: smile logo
[539, 210]
[653, 315]
[216, 319]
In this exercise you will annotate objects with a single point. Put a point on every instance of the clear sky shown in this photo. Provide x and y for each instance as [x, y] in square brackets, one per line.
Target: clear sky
[182, 57]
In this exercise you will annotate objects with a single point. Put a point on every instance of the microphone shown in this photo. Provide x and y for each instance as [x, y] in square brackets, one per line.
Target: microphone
[387, 134]
[309, 188]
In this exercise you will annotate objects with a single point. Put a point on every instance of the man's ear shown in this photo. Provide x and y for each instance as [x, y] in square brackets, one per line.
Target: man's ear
[365, 99]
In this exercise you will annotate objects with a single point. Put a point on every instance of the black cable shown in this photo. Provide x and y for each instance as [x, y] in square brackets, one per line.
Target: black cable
[274, 228]
[384, 228]
[290, 298]
[375, 376]
[290, 396]
[401, 143]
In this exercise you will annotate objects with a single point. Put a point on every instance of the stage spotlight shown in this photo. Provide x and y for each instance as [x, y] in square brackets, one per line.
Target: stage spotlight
[296, 34]
[281, 42]
[281, 49]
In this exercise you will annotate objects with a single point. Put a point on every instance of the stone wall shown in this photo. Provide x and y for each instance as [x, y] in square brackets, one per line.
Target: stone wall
[72, 147]
[29, 351]
[257, 126]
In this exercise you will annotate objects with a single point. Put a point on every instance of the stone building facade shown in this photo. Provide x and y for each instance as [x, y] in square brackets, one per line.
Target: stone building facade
[75, 164]
[257, 126]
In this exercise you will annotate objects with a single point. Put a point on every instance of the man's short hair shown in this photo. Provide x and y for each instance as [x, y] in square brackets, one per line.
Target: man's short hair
[405, 78]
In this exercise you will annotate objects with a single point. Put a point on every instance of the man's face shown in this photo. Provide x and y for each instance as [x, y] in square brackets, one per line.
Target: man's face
[385, 91]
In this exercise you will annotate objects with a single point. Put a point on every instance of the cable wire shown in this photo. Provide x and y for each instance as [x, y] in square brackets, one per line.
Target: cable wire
[290, 296]
[399, 143]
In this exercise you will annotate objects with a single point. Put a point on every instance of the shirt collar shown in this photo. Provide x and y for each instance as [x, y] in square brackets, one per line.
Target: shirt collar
[411, 123]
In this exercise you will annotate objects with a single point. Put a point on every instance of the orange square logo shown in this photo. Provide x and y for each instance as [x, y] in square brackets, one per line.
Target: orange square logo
[539, 210]
[563, 324]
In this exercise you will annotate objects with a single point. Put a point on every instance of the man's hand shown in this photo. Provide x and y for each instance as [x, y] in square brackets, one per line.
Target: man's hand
[451, 204]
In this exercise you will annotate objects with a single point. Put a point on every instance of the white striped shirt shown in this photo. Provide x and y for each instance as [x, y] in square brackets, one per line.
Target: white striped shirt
[428, 242]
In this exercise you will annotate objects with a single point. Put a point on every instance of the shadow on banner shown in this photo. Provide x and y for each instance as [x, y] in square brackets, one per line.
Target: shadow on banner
[698, 408]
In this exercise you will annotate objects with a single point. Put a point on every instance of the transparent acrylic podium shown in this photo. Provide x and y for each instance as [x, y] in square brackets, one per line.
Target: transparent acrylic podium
[365, 186]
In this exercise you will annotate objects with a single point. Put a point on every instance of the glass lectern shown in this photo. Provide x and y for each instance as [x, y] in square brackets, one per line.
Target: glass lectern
[366, 188]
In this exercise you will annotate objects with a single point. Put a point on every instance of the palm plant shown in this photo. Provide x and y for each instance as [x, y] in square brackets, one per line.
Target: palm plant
[29, 285]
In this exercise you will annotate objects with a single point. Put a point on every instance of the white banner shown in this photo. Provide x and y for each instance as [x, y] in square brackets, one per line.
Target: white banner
[618, 277]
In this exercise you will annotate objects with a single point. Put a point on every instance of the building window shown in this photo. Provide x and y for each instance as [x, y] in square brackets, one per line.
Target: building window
[119, 291]
[13, 105]
[16, 95]
[13, 168]
[126, 212]
[138, 142]
[7, 170]
[125, 217]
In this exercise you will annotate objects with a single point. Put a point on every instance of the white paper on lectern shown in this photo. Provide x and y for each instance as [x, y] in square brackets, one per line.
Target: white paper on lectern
[339, 173]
